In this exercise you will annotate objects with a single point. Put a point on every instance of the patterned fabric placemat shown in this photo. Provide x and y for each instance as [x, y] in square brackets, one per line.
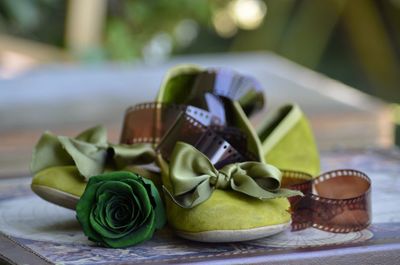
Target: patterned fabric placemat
[40, 232]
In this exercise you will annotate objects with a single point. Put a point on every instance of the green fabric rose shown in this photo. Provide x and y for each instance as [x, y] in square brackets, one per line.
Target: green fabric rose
[120, 209]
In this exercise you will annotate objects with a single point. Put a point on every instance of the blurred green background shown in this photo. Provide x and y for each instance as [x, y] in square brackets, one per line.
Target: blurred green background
[355, 41]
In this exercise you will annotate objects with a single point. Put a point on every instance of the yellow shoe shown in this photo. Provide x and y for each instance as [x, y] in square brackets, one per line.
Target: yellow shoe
[61, 165]
[227, 216]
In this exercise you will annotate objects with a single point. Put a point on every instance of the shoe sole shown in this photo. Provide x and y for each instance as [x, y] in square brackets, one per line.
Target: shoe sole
[219, 236]
[56, 196]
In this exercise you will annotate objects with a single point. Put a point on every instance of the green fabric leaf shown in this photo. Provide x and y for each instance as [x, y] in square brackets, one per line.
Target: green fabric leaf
[84, 209]
[160, 215]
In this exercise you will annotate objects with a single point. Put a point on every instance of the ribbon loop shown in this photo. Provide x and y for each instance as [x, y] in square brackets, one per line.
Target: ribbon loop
[89, 152]
[194, 178]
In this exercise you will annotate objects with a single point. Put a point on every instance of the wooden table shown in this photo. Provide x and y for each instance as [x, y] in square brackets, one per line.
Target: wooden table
[352, 129]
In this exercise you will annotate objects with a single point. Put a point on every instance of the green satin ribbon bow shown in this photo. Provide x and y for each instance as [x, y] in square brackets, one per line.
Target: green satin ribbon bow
[194, 178]
[89, 152]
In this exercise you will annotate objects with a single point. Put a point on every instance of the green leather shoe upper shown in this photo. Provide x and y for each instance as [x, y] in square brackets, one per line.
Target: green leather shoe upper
[67, 178]
[288, 142]
[177, 83]
[188, 84]
[228, 210]
[63, 178]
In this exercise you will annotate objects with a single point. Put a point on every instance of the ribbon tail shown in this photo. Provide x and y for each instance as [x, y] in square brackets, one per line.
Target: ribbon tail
[259, 193]
[192, 198]
[290, 193]
[181, 200]
[138, 154]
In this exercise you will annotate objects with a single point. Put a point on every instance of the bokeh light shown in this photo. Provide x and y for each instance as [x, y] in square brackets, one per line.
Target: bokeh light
[248, 14]
[224, 23]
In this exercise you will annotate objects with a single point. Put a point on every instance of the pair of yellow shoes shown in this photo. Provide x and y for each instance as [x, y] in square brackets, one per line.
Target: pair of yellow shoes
[284, 140]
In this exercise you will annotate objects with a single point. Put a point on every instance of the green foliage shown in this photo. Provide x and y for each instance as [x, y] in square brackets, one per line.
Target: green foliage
[40, 20]
[132, 24]
[357, 42]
